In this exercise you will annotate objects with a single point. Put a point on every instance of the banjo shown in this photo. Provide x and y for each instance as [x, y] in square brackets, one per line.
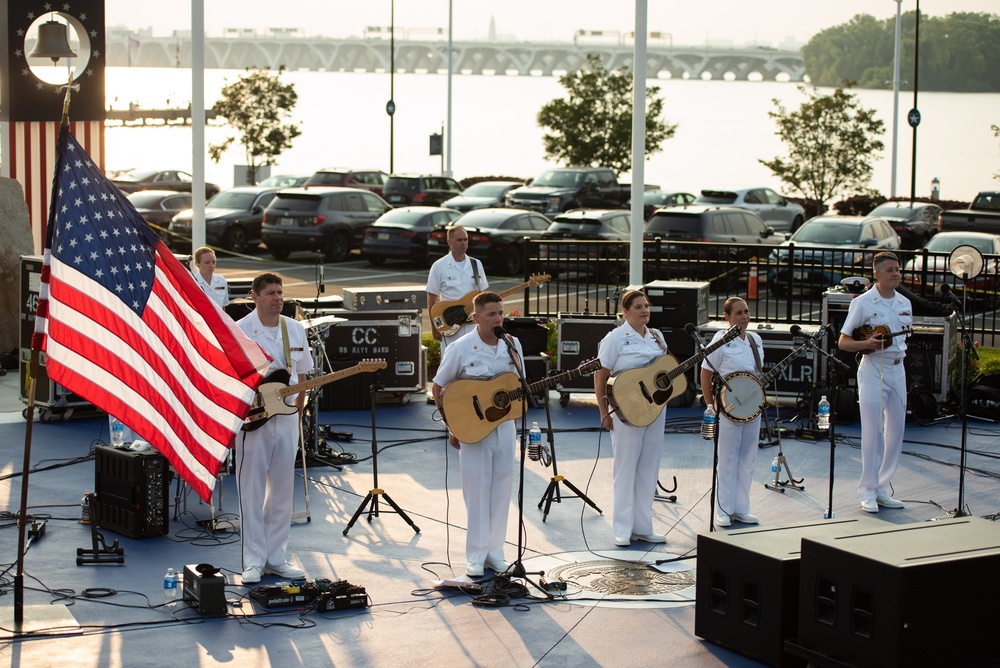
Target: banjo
[745, 398]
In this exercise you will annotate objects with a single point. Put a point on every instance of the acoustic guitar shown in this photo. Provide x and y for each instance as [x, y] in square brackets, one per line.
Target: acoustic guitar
[474, 408]
[881, 332]
[447, 317]
[270, 399]
[638, 395]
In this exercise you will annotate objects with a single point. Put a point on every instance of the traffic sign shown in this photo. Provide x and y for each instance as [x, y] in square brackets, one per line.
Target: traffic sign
[913, 118]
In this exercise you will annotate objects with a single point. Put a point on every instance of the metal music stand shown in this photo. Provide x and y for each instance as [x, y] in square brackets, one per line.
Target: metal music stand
[376, 491]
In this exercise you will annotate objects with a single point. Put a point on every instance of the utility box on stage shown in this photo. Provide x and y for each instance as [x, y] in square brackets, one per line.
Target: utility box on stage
[674, 304]
[578, 339]
[391, 298]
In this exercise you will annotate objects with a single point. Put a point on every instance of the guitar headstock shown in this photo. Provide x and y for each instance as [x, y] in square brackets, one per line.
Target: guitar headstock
[538, 279]
[590, 366]
[370, 366]
[731, 333]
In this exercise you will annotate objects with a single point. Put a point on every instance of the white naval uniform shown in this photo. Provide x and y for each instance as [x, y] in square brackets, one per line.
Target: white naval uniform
[265, 458]
[451, 280]
[881, 389]
[487, 466]
[737, 440]
[636, 449]
[218, 289]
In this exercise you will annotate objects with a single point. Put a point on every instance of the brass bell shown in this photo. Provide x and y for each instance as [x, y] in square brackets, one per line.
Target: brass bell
[52, 42]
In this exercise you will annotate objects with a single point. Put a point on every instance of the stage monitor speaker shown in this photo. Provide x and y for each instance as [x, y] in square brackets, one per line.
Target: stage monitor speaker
[746, 596]
[920, 594]
[131, 492]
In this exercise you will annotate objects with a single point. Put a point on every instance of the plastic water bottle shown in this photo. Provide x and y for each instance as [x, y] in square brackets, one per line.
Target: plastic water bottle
[774, 465]
[117, 433]
[708, 424]
[823, 414]
[534, 442]
[170, 588]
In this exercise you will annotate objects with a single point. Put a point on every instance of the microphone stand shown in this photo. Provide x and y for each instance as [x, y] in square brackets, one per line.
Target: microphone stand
[831, 373]
[963, 395]
[517, 569]
[717, 384]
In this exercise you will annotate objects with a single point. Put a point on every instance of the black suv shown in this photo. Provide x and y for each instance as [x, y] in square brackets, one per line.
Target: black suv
[563, 253]
[419, 189]
[329, 220]
[739, 229]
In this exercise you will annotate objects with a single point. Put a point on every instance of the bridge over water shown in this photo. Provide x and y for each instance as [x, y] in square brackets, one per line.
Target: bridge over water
[502, 58]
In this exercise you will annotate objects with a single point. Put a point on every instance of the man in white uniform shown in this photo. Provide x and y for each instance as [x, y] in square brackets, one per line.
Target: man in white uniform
[452, 277]
[488, 465]
[265, 457]
[881, 379]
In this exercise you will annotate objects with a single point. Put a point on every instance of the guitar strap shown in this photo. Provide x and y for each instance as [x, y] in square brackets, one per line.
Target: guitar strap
[288, 350]
[656, 335]
[756, 354]
[475, 270]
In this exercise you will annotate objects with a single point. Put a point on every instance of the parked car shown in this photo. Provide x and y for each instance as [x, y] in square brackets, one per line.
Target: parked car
[659, 199]
[167, 179]
[607, 262]
[914, 224]
[232, 219]
[159, 206]
[284, 181]
[328, 220]
[566, 188]
[982, 288]
[827, 249]
[482, 195]
[495, 237]
[736, 231]
[420, 189]
[774, 209]
[402, 234]
[366, 179]
[983, 215]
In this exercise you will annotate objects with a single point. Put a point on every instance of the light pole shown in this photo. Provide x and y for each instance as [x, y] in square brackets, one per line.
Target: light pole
[390, 106]
[914, 116]
[895, 97]
[447, 138]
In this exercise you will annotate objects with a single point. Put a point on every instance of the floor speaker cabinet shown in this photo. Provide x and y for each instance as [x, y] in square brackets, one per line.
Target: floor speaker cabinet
[533, 333]
[931, 350]
[904, 595]
[578, 340]
[799, 375]
[747, 590]
[131, 492]
[674, 304]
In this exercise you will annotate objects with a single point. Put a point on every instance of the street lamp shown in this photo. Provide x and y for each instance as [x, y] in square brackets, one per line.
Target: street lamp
[390, 106]
[914, 116]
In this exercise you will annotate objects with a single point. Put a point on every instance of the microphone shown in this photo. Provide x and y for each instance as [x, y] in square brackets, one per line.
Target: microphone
[947, 291]
[690, 328]
[502, 334]
[795, 330]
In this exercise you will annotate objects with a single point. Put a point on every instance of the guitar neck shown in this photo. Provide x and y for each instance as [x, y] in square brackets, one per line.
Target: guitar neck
[516, 288]
[766, 379]
[317, 382]
[551, 381]
[698, 356]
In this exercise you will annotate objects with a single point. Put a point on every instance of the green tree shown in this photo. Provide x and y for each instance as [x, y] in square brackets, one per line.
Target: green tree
[592, 126]
[256, 105]
[832, 141]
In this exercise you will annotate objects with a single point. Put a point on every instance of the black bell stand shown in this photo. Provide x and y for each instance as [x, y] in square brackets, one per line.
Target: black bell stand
[552, 492]
[963, 403]
[376, 491]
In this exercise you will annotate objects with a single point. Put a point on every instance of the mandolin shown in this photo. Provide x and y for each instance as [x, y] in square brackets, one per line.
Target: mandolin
[447, 317]
[880, 332]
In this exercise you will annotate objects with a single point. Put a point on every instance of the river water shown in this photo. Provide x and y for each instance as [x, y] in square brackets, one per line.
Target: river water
[723, 129]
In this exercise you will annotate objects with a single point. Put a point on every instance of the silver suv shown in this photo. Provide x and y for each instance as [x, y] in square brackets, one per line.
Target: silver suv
[774, 209]
[328, 220]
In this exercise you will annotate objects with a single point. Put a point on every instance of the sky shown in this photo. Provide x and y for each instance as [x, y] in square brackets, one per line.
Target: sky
[777, 23]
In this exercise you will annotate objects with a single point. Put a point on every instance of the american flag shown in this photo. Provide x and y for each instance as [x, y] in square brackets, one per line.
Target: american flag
[125, 326]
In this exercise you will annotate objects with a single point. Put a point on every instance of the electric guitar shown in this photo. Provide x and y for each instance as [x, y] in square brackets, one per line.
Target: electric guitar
[881, 332]
[474, 408]
[447, 317]
[270, 399]
[639, 394]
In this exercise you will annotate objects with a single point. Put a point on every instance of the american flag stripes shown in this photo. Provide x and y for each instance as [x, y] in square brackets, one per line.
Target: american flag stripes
[125, 326]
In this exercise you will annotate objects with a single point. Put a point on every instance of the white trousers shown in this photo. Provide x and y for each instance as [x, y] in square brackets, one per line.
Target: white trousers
[487, 476]
[637, 464]
[737, 457]
[265, 479]
[882, 398]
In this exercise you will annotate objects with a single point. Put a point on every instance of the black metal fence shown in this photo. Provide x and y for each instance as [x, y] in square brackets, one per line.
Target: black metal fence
[781, 284]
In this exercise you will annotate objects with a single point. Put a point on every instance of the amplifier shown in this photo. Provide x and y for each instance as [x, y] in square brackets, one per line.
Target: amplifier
[932, 355]
[578, 339]
[919, 594]
[531, 332]
[676, 303]
[386, 299]
[205, 589]
[239, 288]
[798, 376]
[131, 492]
[241, 308]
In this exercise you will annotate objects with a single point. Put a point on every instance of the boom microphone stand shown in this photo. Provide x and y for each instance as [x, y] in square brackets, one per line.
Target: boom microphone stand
[963, 381]
[717, 383]
[552, 491]
[376, 491]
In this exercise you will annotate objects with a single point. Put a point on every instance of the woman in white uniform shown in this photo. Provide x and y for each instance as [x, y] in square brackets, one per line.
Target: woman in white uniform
[214, 285]
[737, 440]
[636, 449]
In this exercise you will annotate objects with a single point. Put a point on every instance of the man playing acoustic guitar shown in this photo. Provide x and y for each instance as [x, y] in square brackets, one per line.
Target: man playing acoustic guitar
[881, 378]
[487, 465]
[452, 277]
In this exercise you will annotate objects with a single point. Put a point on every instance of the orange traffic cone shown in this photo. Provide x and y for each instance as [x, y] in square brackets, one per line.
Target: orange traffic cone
[752, 280]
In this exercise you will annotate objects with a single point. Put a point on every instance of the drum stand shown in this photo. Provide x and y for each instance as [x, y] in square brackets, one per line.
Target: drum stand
[552, 491]
[376, 492]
